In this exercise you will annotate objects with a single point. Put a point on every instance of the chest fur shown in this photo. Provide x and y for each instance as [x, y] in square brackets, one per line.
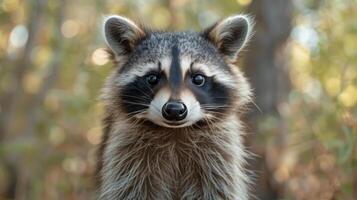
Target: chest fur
[185, 165]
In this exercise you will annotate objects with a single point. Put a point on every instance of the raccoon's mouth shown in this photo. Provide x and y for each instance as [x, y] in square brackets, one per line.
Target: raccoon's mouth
[174, 124]
[167, 124]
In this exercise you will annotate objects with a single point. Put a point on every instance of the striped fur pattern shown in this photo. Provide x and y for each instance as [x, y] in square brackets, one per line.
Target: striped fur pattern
[145, 155]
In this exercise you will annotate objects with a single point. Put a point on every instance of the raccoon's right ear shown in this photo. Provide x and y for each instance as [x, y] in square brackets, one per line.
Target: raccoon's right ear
[121, 34]
[230, 35]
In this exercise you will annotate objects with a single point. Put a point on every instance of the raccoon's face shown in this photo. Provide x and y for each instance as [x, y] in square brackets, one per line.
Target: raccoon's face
[176, 79]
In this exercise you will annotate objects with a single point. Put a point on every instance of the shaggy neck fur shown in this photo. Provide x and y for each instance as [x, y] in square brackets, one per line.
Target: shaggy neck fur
[141, 162]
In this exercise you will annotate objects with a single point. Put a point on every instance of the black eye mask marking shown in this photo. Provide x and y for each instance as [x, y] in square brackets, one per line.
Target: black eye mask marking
[212, 96]
[137, 95]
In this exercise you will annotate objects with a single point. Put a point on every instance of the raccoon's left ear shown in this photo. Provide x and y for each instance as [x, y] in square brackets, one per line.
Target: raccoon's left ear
[121, 34]
[230, 35]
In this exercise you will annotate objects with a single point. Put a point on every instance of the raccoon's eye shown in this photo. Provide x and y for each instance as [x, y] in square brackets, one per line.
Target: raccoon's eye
[152, 79]
[198, 80]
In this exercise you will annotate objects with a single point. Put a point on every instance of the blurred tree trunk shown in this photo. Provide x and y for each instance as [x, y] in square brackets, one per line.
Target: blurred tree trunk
[267, 68]
[15, 101]
[10, 100]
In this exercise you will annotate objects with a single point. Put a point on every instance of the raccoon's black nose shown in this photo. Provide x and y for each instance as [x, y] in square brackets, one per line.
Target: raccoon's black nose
[174, 111]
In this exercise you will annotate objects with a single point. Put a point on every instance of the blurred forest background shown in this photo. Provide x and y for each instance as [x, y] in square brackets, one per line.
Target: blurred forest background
[302, 62]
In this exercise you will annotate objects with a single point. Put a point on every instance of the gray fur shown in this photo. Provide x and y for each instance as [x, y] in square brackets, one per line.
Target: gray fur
[148, 161]
[159, 44]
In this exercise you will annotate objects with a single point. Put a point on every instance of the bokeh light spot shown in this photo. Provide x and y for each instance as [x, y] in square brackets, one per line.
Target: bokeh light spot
[94, 135]
[100, 57]
[18, 36]
[74, 165]
[70, 28]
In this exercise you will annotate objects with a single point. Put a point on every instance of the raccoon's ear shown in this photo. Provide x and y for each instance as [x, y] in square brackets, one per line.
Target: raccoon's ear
[121, 34]
[230, 35]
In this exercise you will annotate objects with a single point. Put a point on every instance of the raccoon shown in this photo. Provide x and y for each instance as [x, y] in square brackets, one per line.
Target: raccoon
[172, 107]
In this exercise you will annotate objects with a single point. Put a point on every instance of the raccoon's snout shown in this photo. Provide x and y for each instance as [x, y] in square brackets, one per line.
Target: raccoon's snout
[174, 111]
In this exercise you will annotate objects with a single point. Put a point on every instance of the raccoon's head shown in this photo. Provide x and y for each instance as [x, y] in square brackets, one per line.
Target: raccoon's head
[176, 79]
